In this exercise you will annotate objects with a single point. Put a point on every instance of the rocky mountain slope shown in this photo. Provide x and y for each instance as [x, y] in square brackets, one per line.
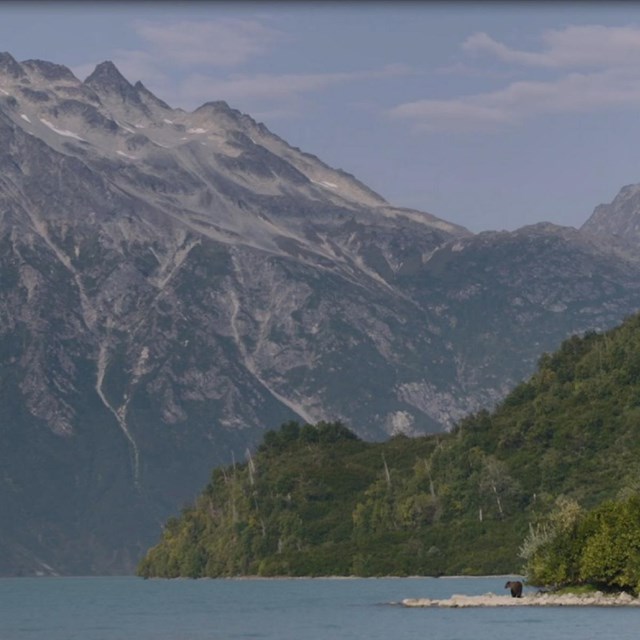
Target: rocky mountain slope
[175, 282]
[619, 221]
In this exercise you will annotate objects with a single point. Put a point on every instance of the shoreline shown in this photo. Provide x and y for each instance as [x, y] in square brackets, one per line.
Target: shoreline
[339, 577]
[597, 599]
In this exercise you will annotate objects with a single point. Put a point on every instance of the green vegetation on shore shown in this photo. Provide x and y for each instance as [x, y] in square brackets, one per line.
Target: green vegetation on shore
[316, 500]
[599, 548]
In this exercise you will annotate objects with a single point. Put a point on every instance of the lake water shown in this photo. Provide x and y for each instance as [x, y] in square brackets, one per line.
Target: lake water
[300, 609]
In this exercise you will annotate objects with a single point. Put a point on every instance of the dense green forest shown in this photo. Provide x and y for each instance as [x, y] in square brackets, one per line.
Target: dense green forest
[599, 547]
[548, 483]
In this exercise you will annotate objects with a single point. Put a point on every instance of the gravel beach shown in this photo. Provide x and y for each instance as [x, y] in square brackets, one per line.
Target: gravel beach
[597, 599]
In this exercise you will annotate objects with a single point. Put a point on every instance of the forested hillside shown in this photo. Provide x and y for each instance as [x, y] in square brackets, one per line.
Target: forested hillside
[316, 500]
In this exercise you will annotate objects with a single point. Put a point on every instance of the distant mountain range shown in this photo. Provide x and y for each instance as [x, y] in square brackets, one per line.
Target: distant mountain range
[173, 283]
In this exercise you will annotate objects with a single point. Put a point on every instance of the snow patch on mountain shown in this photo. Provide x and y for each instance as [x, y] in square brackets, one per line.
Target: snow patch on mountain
[61, 132]
[125, 127]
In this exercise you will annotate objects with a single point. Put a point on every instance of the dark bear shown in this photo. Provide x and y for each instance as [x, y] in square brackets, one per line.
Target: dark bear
[516, 588]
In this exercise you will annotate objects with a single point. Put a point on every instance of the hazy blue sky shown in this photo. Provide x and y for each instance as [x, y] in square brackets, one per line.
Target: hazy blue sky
[490, 115]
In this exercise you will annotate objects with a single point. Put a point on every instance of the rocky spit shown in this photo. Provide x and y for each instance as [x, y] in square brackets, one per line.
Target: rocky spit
[597, 599]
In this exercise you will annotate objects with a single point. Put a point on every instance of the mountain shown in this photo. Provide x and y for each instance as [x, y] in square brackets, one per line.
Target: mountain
[174, 283]
[315, 500]
[619, 221]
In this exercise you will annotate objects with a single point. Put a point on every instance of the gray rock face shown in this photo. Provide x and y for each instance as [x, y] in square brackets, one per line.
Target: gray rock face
[174, 283]
[619, 221]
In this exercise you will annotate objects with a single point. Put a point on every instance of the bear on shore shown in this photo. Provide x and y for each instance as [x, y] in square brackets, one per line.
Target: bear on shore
[516, 588]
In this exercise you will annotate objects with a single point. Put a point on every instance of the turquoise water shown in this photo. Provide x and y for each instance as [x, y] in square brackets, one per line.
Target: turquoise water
[309, 609]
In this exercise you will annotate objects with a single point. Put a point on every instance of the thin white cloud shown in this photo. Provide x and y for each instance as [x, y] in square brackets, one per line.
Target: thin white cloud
[463, 69]
[198, 87]
[521, 100]
[221, 43]
[481, 42]
[590, 46]
[608, 59]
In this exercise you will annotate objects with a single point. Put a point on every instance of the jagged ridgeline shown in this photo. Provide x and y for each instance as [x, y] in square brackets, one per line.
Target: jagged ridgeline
[316, 500]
